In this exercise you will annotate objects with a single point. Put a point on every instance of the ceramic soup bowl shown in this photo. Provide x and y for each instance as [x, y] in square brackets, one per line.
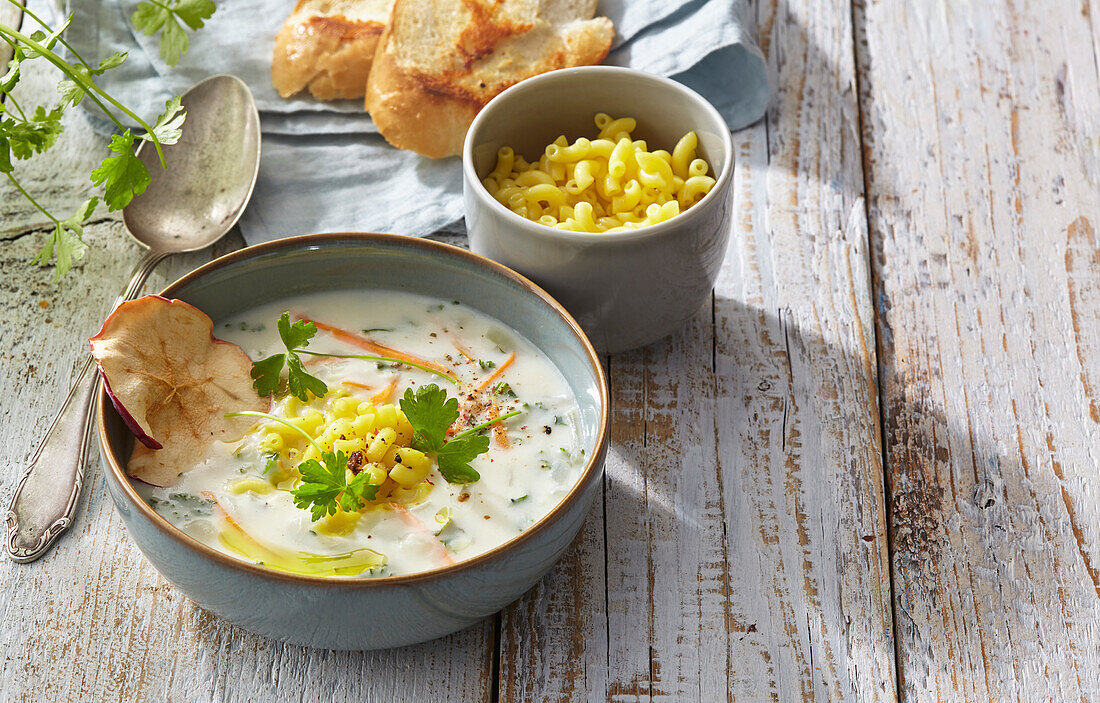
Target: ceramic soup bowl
[369, 613]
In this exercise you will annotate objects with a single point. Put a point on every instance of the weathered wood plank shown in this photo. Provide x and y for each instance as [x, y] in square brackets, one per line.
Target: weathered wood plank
[753, 568]
[799, 443]
[980, 124]
[665, 548]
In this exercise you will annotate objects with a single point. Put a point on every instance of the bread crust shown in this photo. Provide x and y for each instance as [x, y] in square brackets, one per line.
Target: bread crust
[330, 55]
[409, 115]
[430, 112]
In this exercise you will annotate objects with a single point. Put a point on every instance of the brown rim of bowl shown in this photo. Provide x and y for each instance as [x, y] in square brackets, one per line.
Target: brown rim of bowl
[587, 474]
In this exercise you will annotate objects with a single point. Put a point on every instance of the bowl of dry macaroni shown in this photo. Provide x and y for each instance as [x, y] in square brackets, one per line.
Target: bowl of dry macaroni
[611, 188]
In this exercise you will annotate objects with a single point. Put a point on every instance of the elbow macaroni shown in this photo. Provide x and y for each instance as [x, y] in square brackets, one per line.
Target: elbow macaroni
[381, 433]
[611, 183]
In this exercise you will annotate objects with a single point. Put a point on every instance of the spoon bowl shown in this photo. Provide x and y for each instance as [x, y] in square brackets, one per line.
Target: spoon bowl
[211, 171]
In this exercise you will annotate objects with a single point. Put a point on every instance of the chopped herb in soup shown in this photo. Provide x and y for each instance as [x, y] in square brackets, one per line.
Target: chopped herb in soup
[402, 434]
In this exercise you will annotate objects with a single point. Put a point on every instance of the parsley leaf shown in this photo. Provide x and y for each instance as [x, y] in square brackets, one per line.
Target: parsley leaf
[66, 242]
[193, 12]
[9, 79]
[123, 176]
[272, 462]
[321, 484]
[431, 413]
[296, 335]
[151, 17]
[301, 382]
[167, 128]
[267, 373]
[73, 90]
[324, 486]
[455, 456]
[34, 135]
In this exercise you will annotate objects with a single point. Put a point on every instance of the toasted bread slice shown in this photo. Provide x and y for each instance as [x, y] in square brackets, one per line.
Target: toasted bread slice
[328, 46]
[439, 61]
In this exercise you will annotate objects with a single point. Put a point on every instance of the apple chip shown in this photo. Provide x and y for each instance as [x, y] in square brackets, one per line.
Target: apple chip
[172, 382]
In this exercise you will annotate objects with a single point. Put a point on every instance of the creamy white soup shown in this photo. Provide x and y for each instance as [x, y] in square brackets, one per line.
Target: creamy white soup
[240, 498]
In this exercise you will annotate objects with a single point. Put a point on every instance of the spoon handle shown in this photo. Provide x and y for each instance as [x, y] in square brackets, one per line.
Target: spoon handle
[46, 497]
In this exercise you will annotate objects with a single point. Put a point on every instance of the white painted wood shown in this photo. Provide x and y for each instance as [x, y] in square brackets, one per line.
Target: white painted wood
[746, 551]
[980, 139]
[799, 441]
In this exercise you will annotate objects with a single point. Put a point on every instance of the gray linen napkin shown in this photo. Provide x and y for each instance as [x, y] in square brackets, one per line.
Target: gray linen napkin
[324, 168]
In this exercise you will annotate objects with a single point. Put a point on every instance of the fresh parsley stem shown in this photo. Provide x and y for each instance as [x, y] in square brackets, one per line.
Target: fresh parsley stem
[66, 68]
[479, 428]
[61, 39]
[382, 358]
[13, 101]
[11, 177]
[281, 421]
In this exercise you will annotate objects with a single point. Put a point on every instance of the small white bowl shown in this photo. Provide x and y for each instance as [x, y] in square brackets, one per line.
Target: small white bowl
[626, 289]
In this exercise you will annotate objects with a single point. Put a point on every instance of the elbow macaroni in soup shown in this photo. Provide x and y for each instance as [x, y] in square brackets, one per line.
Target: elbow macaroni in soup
[512, 454]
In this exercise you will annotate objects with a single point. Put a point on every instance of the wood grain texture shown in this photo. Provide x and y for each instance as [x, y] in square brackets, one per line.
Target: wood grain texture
[799, 443]
[745, 552]
[980, 124]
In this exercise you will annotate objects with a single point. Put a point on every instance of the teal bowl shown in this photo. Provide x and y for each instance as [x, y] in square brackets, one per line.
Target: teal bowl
[370, 613]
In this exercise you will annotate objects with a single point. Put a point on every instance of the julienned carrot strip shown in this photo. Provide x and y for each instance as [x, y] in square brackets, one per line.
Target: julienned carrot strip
[221, 509]
[463, 350]
[500, 369]
[413, 522]
[384, 394]
[353, 384]
[379, 349]
[500, 435]
[317, 361]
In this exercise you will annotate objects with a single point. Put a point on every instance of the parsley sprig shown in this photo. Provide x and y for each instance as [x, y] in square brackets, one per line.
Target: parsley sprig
[164, 16]
[324, 483]
[431, 413]
[325, 486]
[267, 373]
[29, 131]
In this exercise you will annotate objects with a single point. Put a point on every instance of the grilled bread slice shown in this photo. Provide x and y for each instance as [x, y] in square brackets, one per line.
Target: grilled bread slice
[328, 46]
[439, 61]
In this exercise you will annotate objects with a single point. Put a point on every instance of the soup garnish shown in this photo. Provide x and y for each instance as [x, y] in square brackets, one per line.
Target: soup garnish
[449, 435]
[171, 381]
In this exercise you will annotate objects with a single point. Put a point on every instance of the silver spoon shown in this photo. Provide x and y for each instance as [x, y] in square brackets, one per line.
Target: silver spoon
[188, 206]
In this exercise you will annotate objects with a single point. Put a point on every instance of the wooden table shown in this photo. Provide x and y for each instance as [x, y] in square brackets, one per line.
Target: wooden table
[868, 471]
